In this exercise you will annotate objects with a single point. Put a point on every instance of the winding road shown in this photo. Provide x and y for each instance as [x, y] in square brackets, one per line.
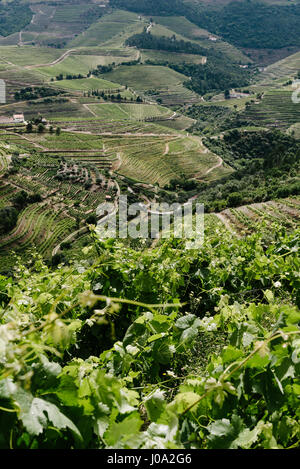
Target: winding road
[57, 61]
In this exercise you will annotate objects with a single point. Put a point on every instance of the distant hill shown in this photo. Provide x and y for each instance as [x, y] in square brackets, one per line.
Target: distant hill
[13, 17]
[246, 24]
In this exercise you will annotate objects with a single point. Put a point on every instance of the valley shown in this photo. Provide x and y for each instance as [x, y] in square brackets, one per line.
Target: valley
[143, 343]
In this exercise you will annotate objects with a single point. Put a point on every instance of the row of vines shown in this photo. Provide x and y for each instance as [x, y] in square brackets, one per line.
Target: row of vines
[153, 348]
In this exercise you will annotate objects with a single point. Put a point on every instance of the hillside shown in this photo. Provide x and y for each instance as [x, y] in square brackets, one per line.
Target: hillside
[142, 330]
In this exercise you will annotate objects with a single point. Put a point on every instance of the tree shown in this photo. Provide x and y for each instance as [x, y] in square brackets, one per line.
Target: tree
[41, 128]
[20, 199]
[8, 219]
[91, 220]
[58, 131]
[29, 127]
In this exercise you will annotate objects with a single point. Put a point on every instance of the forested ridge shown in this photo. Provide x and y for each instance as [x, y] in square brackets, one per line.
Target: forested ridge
[13, 17]
[246, 24]
[149, 41]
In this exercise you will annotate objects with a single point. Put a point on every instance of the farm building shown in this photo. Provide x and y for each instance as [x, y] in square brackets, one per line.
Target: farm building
[18, 118]
[2, 92]
[235, 94]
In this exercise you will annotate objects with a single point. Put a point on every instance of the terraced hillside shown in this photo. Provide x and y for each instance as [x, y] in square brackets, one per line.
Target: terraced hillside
[165, 159]
[276, 109]
[38, 225]
[147, 158]
[121, 124]
[110, 111]
[55, 24]
[112, 30]
[67, 186]
[268, 217]
[155, 82]
[183, 27]
[123, 118]
[281, 70]
[67, 39]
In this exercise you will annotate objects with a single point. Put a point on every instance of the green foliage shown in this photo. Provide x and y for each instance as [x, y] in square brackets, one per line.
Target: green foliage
[212, 119]
[246, 24]
[148, 41]
[35, 93]
[133, 393]
[266, 164]
[13, 17]
[216, 74]
[8, 219]
[152, 7]
[252, 24]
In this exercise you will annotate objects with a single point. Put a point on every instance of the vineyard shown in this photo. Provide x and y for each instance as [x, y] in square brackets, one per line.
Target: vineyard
[276, 109]
[151, 163]
[166, 159]
[64, 203]
[125, 112]
[116, 127]
[264, 216]
[111, 30]
[168, 83]
[143, 341]
[158, 370]
[286, 68]
[85, 84]
[79, 63]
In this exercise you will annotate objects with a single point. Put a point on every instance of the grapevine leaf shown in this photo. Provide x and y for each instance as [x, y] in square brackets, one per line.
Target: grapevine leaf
[155, 404]
[160, 323]
[119, 432]
[155, 337]
[163, 352]
[101, 425]
[36, 413]
[7, 388]
[187, 321]
[223, 433]
[184, 400]
[231, 354]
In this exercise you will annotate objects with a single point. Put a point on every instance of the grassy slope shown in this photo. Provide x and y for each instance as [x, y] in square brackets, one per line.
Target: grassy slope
[85, 84]
[145, 77]
[80, 63]
[29, 55]
[167, 84]
[112, 111]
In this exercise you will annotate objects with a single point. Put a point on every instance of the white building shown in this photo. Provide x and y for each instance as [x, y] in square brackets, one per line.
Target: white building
[2, 92]
[18, 118]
